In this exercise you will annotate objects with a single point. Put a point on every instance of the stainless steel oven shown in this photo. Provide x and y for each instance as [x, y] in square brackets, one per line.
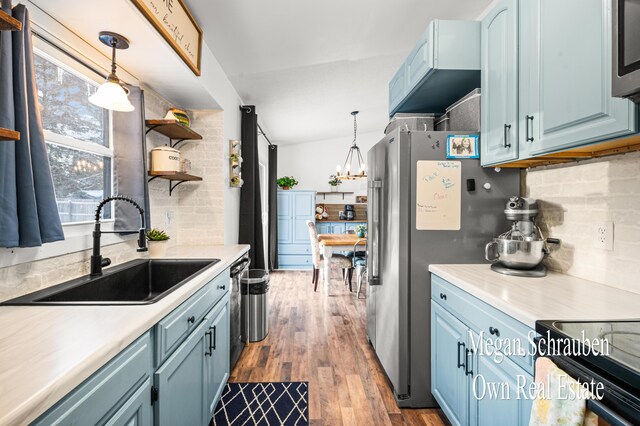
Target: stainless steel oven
[626, 49]
[616, 366]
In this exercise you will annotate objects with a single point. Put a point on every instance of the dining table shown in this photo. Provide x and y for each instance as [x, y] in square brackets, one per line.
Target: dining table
[330, 243]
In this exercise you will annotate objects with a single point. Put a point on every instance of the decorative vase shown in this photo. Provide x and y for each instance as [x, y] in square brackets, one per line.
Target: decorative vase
[286, 188]
[361, 234]
[334, 188]
[157, 248]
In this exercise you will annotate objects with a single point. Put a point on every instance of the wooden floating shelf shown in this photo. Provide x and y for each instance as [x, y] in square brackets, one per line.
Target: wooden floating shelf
[9, 23]
[324, 194]
[333, 192]
[172, 129]
[595, 150]
[9, 135]
[174, 176]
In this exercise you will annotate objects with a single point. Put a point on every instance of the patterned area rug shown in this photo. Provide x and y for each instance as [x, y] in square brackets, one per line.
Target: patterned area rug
[270, 403]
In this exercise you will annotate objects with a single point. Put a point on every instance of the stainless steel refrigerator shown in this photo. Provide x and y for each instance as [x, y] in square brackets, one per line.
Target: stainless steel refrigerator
[398, 300]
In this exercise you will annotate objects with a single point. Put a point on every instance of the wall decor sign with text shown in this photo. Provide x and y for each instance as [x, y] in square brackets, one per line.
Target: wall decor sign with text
[174, 22]
[462, 146]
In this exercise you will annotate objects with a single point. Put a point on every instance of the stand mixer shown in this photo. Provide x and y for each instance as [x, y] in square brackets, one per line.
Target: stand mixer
[521, 250]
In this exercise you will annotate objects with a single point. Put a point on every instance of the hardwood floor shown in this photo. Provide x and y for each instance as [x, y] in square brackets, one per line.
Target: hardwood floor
[322, 340]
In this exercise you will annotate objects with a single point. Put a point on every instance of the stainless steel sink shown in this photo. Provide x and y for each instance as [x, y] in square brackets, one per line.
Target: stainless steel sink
[138, 282]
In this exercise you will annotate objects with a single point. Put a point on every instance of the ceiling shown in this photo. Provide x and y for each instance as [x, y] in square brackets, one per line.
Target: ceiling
[149, 57]
[306, 65]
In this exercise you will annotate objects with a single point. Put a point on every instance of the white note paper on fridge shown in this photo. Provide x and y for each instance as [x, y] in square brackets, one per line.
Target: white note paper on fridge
[438, 195]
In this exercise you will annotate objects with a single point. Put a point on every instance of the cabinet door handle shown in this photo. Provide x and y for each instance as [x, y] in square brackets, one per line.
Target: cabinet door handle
[507, 127]
[460, 364]
[214, 337]
[209, 352]
[191, 319]
[526, 126]
[494, 331]
[443, 296]
[222, 287]
[467, 370]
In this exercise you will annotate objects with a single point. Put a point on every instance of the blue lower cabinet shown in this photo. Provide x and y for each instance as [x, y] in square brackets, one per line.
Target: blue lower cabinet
[499, 392]
[217, 358]
[189, 384]
[449, 383]
[192, 346]
[351, 226]
[181, 382]
[113, 394]
[474, 386]
[323, 227]
[137, 410]
[295, 261]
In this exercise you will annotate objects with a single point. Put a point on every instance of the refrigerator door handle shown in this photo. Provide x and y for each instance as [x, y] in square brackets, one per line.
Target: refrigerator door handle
[373, 243]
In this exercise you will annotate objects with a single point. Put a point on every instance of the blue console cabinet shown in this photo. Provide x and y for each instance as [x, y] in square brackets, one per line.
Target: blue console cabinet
[295, 208]
[461, 375]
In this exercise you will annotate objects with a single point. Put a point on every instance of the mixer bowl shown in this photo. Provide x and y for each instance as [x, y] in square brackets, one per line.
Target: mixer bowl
[516, 254]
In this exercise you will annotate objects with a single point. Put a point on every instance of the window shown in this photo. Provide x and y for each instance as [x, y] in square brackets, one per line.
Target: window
[78, 137]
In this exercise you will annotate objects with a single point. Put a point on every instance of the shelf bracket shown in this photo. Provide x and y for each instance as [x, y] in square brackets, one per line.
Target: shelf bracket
[173, 145]
[150, 128]
[154, 177]
[172, 187]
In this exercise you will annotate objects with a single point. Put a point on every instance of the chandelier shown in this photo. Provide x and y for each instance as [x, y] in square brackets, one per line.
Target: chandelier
[354, 158]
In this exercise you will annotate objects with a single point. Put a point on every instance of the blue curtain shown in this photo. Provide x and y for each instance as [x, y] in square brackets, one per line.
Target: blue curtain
[28, 211]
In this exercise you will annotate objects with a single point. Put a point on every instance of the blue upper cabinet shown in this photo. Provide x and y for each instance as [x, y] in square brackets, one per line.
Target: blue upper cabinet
[499, 84]
[295, 208]
[397, 88]
[549, 63]
[443, 66]
[566, 99]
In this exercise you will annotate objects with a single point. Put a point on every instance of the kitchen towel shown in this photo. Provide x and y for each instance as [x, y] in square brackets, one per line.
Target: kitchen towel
[270, 403]
[556, 407]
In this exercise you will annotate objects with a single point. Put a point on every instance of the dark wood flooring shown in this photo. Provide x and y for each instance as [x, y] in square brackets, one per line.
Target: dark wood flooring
[322, 340]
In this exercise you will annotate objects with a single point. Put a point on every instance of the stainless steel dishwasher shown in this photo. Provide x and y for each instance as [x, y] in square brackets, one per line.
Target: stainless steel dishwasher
[238, 338]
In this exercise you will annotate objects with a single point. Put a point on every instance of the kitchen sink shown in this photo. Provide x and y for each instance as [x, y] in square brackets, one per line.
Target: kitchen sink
[138, 282]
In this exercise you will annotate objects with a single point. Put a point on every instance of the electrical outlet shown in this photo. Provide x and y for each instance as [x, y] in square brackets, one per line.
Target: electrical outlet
[168, 218]
[604, 236]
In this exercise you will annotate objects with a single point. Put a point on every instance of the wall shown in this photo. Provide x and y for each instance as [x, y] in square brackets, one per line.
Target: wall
[194, 215]
[312, 163]
[574, 199]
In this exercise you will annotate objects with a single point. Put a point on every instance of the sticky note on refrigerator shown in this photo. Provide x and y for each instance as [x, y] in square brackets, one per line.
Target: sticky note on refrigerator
[438, 195]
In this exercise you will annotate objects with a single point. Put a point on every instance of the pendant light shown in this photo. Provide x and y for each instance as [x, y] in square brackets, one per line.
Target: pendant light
[348, 171]
[112, 94]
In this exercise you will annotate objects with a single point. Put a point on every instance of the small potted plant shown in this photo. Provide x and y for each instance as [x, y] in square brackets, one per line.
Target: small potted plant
[287, 182]
[334, 182]
[235, 159]
[361, 230]
[157, 242]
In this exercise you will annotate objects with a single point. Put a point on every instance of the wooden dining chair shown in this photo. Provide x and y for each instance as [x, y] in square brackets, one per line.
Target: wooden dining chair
[337, 260]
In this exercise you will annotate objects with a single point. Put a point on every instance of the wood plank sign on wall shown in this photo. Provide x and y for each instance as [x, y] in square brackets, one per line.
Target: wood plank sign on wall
[174, 22]
[438, 195]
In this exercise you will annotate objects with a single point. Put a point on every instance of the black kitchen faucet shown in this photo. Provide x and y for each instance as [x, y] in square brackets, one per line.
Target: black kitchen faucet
[97, 262]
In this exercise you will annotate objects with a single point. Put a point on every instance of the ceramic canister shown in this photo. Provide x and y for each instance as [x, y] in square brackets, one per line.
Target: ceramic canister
[165, 159]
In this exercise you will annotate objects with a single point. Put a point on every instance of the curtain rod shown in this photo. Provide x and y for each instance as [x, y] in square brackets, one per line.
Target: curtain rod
[247, 109]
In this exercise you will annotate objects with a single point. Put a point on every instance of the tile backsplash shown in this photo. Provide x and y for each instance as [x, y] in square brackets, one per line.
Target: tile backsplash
[193, 215]
[574, 199]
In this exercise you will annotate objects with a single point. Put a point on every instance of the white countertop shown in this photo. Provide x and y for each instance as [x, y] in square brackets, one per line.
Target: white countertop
[46, 351]
[554, 297]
